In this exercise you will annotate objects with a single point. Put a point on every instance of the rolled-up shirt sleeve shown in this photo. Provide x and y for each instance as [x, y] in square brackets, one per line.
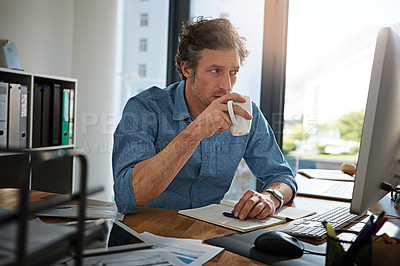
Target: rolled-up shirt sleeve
[133, 143]
[264, 157]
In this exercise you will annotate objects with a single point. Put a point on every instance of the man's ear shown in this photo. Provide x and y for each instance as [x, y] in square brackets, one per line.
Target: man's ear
[186, 70]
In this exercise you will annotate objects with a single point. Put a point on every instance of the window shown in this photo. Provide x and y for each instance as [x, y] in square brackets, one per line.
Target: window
[142, 70]
[330, 51]
[249, 18]
[146, 46]
[143, 45]
[144, 20]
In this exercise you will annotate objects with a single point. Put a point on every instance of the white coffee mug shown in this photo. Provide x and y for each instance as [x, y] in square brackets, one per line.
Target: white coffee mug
[240, 125]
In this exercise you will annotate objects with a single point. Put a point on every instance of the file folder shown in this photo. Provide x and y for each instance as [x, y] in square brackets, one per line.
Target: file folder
[14, 116]
[37, 116]
[46, 115]
[71, 116]
[3, 114]
[65, 117]
[23, 119]
[56, 129]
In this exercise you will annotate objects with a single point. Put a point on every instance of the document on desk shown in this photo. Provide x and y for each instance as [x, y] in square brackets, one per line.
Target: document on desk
[334, 175]
[188, 251]
[168, 251]
[136, 257]
[213, 214]
[327, 189]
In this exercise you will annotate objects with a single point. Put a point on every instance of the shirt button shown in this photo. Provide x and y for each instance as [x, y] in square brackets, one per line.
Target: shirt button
[205, 158]
[194, 199]
[200, 180]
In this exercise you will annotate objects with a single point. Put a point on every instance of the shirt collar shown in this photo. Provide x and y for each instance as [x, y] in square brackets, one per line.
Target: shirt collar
[181, 111]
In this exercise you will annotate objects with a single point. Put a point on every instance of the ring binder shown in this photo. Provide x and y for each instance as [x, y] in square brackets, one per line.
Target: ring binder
[3, 114]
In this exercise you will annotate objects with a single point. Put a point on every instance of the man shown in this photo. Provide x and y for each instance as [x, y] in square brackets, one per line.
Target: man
[172, 147]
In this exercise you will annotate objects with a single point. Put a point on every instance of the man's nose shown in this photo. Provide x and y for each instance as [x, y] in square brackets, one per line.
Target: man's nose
[226, 83]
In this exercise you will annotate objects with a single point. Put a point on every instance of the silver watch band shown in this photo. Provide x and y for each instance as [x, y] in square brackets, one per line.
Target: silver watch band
[277, 194]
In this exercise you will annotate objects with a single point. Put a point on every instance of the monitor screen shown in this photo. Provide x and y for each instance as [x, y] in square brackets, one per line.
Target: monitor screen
[379, 154]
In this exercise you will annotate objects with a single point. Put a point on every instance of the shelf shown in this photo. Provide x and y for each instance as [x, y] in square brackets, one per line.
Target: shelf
[50, 106]
[51, 148]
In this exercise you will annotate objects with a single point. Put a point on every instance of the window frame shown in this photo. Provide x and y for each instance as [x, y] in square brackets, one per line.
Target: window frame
[274, 65]
[178, 13]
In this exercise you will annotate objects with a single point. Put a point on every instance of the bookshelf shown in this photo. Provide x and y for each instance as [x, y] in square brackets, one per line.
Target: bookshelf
[43, 119]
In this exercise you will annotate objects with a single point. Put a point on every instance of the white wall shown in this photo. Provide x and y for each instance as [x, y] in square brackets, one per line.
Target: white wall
[73, 38]
[94, 60]
[42, 31]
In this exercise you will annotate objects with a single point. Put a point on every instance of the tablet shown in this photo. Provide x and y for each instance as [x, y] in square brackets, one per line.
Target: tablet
[119, 238]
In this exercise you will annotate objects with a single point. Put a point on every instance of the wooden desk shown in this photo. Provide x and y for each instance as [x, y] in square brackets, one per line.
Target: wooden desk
[170, 224]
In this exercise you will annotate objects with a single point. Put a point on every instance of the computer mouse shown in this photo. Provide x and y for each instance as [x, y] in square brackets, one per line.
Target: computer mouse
[279, 243]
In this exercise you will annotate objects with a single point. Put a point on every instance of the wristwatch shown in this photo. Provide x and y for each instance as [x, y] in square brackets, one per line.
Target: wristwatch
[277, 194]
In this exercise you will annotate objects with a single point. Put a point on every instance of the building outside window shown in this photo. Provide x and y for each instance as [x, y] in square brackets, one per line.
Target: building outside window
[142, 45]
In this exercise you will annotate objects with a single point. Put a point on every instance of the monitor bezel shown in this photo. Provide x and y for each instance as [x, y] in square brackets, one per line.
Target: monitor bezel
[379, 153]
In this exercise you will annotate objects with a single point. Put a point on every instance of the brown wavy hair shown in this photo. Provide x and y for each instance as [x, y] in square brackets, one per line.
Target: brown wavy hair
[201, 33]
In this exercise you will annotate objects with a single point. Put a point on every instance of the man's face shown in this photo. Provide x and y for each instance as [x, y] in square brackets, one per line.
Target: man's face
[215, 75]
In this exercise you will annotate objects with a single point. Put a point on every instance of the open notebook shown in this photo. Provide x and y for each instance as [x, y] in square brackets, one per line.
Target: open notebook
[213, 214]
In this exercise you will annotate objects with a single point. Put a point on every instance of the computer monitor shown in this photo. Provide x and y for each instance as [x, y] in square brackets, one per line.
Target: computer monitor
[379, 154]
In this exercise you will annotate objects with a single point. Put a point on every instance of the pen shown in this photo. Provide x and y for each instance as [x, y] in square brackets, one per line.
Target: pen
[362, 238]
[231, 215]
[379, 225]
[63, 207]
[366, 226]
[380, 216]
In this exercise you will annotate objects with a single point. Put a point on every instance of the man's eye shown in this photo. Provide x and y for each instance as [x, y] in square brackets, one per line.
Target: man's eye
[234, 72]
[214, 70]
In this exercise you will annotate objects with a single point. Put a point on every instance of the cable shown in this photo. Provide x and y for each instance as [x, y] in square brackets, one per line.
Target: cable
[314, 253]
[392, 216]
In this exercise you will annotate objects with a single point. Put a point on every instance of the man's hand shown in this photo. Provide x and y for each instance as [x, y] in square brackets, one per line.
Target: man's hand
[259, 205]
[216, 118]
[255, 205]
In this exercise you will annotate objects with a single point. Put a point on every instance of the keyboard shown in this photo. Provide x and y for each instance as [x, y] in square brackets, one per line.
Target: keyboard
[312, 227]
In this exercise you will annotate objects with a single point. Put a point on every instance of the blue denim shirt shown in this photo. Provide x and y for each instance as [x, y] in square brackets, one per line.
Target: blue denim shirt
[154, 117]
